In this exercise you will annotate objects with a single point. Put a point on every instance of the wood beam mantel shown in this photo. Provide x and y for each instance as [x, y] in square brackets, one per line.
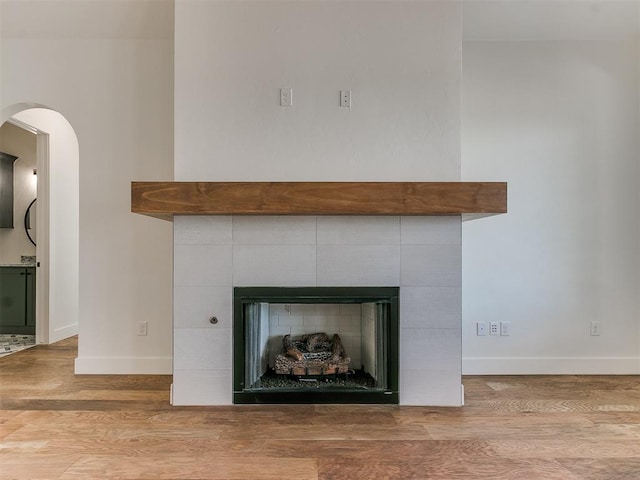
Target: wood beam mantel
[166, 199]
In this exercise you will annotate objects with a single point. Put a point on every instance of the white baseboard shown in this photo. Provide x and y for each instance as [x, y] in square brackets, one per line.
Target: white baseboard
[551, 366]
[63, 332]
[124, 365]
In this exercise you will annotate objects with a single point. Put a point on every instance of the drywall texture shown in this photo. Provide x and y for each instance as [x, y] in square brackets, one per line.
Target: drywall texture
[401, 61]
[557, 119]
[108, 68]
[22, 144]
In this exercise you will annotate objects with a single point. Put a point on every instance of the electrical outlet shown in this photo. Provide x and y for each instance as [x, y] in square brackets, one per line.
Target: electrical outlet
[142, 329]
[493, 328]
[505, 329]
[595, 328]
[345, 98]
[481, 329]
[286, 97]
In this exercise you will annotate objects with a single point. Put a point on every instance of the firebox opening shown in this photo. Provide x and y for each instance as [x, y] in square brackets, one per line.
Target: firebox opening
[316, 345]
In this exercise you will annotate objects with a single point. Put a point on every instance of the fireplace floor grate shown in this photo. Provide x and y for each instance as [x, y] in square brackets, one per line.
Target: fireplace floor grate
[358, 380]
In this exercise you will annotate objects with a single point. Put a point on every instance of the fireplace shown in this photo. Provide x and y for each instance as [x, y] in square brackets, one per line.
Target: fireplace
[315, 345]
[213, 255]
[316, 235]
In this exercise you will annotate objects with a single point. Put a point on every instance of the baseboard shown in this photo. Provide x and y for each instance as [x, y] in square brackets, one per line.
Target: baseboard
[124, 366]
[63, 332]
[551, 366]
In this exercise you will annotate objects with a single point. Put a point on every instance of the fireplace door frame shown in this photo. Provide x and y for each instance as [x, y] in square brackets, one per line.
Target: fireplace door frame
[316, 295]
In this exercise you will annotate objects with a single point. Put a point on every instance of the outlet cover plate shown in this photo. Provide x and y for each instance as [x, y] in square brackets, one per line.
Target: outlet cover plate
[494, 328]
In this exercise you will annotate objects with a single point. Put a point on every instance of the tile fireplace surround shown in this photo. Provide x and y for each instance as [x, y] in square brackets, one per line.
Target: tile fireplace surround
[419, 253]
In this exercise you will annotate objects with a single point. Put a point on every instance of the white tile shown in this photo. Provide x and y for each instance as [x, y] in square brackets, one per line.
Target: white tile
[297, 331]
[202, 265]
[349, 321]
[431, 349]
[348, 329]
[430, 307]
[288, 320]
[274, 265]
[281, 312]
[302, 309]
[190, 230]
[358, 265]
[194, 306]
[327, 309]
[357, 230]
[322, 321]
[274, 230]
[431, 230]
[350, 309]
[433, 387]
[431, 266]
[280, 330]
[202, 387]
[202, 349]
[276, 309]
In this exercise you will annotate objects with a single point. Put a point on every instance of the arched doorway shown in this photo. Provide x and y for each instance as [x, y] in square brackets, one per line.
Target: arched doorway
[57, 223]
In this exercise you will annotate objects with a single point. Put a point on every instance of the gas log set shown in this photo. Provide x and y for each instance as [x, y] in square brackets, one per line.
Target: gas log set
[314, 354]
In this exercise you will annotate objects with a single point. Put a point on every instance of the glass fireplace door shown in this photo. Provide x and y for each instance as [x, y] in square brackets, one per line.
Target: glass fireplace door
[316, 345]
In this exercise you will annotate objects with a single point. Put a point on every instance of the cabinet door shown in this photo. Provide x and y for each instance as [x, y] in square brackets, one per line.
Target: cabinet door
[13, 296]
[30, 292]
[6, 190]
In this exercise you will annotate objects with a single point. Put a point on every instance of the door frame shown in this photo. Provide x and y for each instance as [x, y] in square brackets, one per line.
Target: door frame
[42, 229]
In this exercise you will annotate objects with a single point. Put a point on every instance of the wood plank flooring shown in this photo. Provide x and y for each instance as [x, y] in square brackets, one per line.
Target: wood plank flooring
[56, 425]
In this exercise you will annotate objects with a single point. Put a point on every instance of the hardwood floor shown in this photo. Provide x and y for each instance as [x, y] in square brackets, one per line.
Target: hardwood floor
[56, 425]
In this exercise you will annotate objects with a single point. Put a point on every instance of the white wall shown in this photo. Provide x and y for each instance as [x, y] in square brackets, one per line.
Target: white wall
[20, 143]
[108, 68]
[554, 112]
[535, 112]
[401, 60]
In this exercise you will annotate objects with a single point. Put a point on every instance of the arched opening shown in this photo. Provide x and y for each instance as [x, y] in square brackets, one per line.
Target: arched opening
[56, 225]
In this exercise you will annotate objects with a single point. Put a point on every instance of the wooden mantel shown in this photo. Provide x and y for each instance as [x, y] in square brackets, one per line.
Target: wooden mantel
[166, 199]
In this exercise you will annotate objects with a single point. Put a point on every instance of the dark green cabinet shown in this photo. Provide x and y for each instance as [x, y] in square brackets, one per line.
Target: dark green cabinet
[6, 190]
[18, 300]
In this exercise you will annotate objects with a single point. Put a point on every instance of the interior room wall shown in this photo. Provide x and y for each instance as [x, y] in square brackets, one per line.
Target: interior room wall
[20, 143]
[550, 104]
[401, 61]
[558, 110]
[107, 67]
